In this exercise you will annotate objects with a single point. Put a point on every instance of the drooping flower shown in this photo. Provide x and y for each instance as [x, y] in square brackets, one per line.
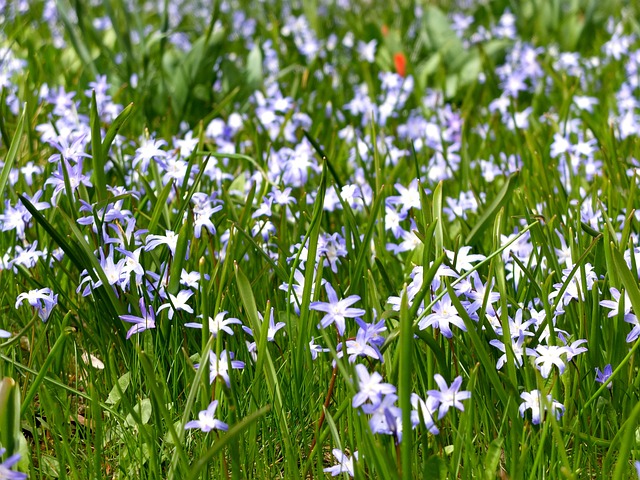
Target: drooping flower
[140, 324]
[425, 410]
[603, 376]
[43, 300]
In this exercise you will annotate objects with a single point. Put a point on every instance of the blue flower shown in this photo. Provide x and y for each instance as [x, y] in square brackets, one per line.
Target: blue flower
[448, 396]
[5, 467]
[370, 387]
[602, 377]
[207, 421]
[344, 465]
[145, 322]
[532, 400]
[337, 310]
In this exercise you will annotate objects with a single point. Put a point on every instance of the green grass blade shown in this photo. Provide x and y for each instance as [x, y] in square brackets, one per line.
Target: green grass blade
[486, 219]
[97, 155]
[233, 433]
[114, 129]
[10, 159]
[54, 355]
[405, 350]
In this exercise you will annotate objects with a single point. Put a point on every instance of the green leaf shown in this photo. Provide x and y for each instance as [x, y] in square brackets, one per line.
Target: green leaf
[223, 441]
[405, 350]
[492, 458]
[179, 259]
[160, 402]
[13, 152]
[50, 465]
[116, 392]
[253, 70]
[143, 413]
[10, 430]
[435, 468]
[114, 128]
[159, 206]
[436, 215]
[54, 354]
[486, 219]
[97, 156]
[273, 384]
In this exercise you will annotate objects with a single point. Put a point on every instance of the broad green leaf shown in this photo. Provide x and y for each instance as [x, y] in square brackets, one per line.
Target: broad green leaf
[116, 392]
[143, 413]
[492, 458]
[254, 67]
[435, 468]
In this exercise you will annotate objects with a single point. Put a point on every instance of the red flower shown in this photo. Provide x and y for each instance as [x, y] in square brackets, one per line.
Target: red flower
[400, 62]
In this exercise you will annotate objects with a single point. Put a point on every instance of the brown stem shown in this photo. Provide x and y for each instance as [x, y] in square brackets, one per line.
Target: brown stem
[327, 400]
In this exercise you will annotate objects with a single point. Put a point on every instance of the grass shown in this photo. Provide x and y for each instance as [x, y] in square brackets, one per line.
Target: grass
[265, 111]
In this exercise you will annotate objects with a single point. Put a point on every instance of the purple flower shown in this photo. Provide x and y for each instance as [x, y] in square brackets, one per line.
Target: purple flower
[140, 324]
[426, 410]
[170, 240]
[517, 345]
[345, 463]
[76, 178]
[443, 314]
[367, 51]
[532, 400]
[373, 331]
[207, 421]
[42, 300]
[409, 197]
[370, 387]
[178, 302]
[149, 149]
[463, 261]
[337, 310]
[314, 348]
[547, 356]
[448, 396]
[574, 349]
[217, 324]
[272, 329]
[219, 366]
[603, 377]
[360, 347]
[71, 152]
[381, 413]
[5, 467]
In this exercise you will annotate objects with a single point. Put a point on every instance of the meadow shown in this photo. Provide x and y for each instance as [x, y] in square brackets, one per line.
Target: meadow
[319, 239]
